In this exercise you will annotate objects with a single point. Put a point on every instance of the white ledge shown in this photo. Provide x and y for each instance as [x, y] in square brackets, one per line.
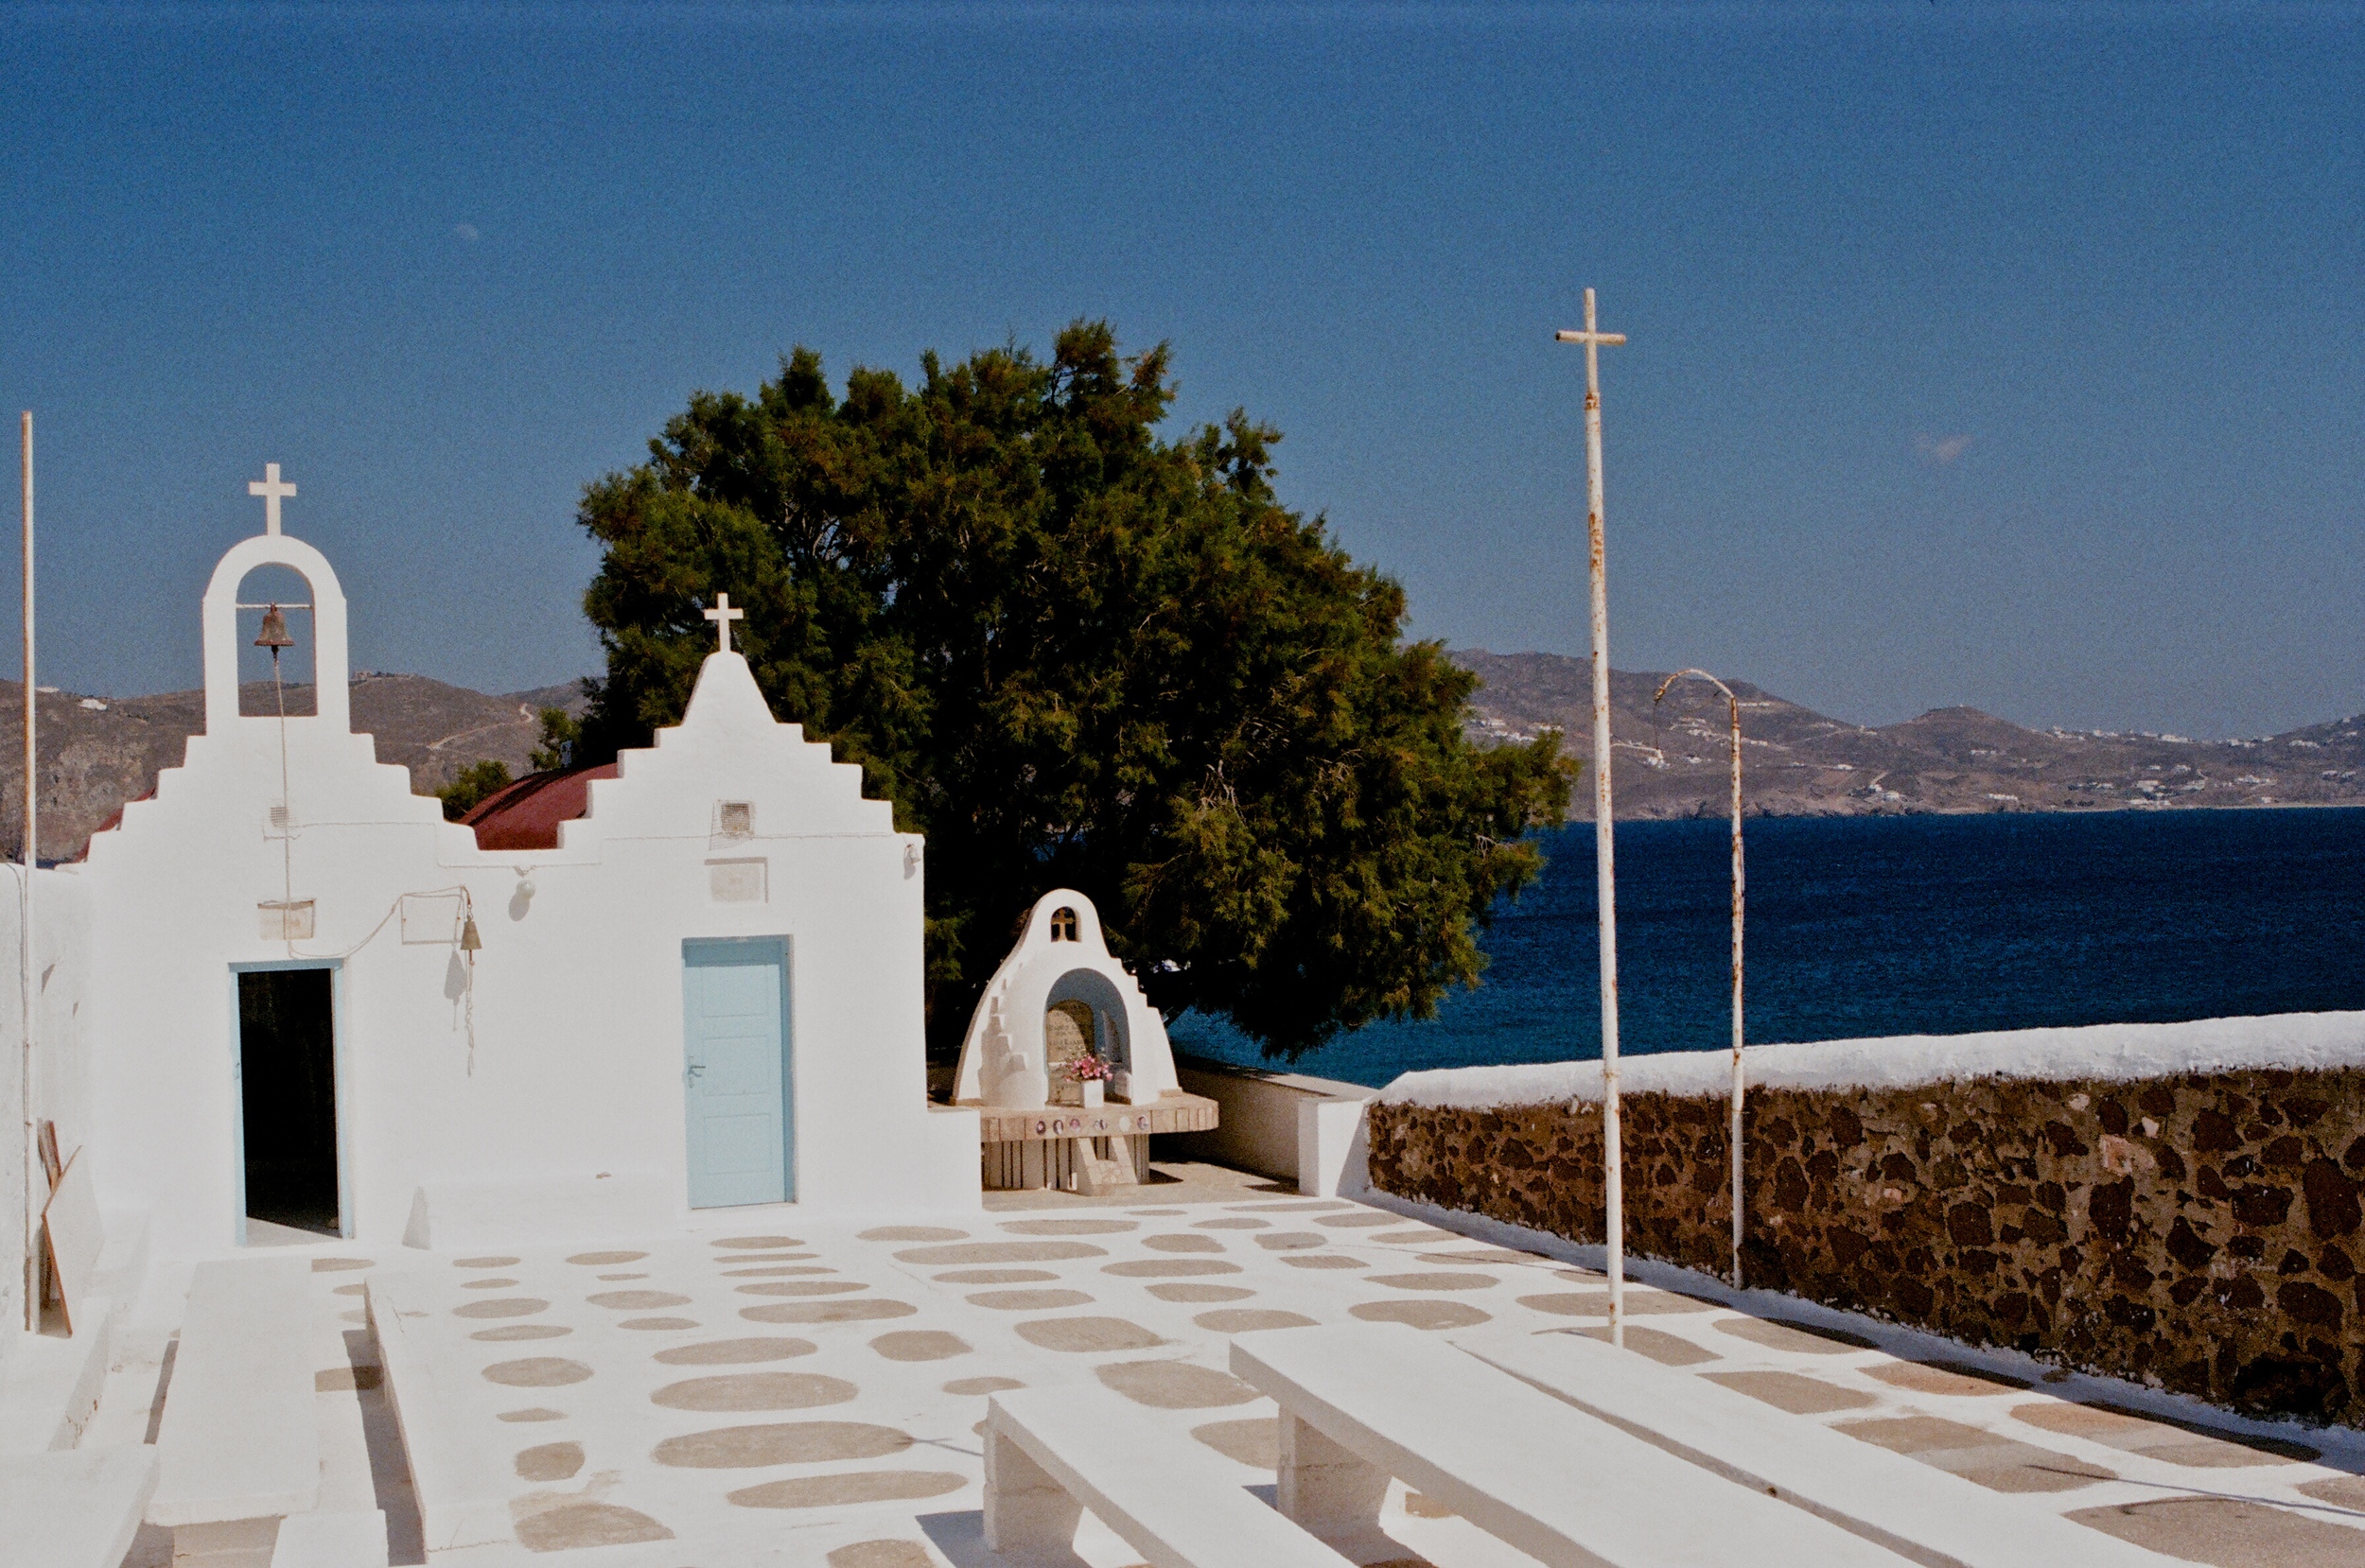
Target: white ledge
[2116, 1052]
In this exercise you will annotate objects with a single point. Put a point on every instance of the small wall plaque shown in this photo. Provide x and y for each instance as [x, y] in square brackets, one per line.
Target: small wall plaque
[737, 882]
[277, 921]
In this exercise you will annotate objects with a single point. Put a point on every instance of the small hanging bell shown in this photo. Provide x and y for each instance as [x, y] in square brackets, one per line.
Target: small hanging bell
[469, 940]
[275, 632]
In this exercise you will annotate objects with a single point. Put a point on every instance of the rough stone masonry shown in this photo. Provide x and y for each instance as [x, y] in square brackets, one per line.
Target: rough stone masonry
[2196, 1232]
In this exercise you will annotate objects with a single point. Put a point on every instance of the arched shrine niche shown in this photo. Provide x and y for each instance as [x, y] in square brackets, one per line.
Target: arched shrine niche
[1059, 993]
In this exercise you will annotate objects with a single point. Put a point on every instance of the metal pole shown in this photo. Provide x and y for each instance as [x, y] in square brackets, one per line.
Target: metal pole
[25, 922]
[1733, 705]
[1605, 874]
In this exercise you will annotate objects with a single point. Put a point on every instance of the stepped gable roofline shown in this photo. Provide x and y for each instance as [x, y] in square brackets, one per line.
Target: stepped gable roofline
[526, 814]
[727, 726]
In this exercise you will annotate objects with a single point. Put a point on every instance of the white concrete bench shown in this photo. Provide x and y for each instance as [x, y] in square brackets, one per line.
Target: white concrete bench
[1924, 1513]
[354, 1539]
[78, 1507]
[1365, 1403]
[1052, 1453]
[240, 1447]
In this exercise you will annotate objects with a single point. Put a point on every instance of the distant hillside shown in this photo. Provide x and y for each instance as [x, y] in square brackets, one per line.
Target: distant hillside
[97, 753]
[1674, 761]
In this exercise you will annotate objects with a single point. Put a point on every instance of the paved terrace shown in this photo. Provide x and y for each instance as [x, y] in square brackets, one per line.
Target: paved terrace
[814, 1395]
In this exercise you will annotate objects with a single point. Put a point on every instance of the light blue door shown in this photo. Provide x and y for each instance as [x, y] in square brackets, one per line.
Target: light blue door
[736, 1069]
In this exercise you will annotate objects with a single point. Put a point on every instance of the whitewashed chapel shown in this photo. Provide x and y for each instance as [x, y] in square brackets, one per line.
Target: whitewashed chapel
[309, 1002]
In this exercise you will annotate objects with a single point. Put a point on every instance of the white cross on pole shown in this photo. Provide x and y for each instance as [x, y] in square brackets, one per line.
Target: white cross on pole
[274, 491]
[1605, 875]
[723, 615]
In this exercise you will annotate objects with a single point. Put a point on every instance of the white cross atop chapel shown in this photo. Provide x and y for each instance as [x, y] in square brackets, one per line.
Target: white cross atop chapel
[272, 491]
[722, 615]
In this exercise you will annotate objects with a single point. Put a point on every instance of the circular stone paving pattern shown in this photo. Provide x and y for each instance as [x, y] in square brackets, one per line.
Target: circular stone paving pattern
[860, 1486]
[1154, 1268]
[338, 1265]
[802, 1287]
[1238, 1222]
[534, 1413]
[1174, 1384]
[862, 1310]
[1432, 1282]
[745, 1242]
[1187, 1243]
[1028, 1300]
[597, 1258]
[1595, 1303]
[571, 1525]
[881, 1554]
[733, 1353]
[1000, 1252]
[497, 1282]
[911, 1233]
[522, 1331]
[1068, 1228]
[1291, 1241]
[919, 1345]
[1355, 1222]
[506, 1306]
[780, 1443]
[550, 1462]
[1421, 1314]
[482, 1262]
[970, 1387]
[1255, 1443]
[536, 1372]
[995, 1276]
[658, 1323]
[1248, 1320]
[1083, 1336]
[1200, 1293]
[637, 1300]
[755, 1391]
[1323, 1259]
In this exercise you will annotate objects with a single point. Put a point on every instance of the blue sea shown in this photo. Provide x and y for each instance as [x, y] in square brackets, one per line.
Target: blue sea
[1869, 926]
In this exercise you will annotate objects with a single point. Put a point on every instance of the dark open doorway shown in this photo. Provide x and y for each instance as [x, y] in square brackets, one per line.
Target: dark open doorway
[287, 1083]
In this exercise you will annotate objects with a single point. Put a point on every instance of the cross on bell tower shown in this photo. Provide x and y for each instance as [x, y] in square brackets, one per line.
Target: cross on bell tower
[723, 615]
[272, 491]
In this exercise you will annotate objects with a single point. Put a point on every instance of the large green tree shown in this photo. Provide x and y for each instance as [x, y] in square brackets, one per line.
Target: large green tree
[1074, 653]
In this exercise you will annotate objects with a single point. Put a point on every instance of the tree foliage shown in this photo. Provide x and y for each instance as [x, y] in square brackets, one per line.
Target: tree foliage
[1074, 653]
[471, 786]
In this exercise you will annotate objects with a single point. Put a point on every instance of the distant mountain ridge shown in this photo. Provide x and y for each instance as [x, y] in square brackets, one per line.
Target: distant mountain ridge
[98, 751]
[1674, 760]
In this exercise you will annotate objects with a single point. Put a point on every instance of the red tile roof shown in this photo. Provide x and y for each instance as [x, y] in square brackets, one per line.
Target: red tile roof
[526, 814]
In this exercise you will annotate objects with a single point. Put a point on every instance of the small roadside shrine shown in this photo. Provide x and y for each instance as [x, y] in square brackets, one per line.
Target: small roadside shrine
[311, 1003]
[1060, 999]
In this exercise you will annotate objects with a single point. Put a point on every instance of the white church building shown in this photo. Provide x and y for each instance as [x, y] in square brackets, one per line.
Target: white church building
[307, 1001]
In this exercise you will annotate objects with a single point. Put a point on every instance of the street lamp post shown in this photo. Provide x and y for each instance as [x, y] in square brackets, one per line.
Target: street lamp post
[1732, 705]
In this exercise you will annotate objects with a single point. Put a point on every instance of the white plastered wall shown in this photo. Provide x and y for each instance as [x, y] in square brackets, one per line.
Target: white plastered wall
[60, 1077]
[1002, 1055]
[577, 996]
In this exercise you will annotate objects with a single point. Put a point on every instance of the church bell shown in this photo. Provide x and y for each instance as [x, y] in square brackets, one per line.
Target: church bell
[275, 632]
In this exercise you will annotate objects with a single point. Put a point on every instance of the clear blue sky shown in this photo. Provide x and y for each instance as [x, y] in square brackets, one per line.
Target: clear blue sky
[1997, 355]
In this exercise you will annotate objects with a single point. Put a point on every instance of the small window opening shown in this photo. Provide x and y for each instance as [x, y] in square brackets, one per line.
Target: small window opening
[735, 819]
[1064, 925]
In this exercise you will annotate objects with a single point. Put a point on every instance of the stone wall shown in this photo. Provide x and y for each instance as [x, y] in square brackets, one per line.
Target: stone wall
[2197, 1232]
